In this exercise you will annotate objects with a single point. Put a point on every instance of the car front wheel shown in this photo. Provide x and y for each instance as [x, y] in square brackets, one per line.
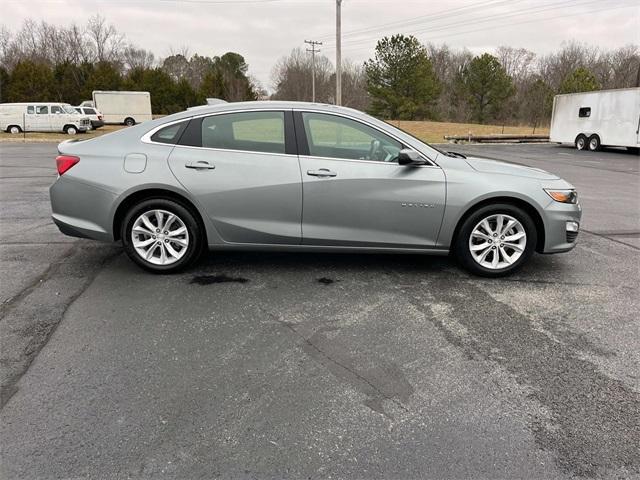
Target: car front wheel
[161, 236]
[496, 240]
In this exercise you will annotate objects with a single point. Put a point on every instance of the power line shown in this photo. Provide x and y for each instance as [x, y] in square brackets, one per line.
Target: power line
[487, 18]
[425, 18]
[313, 51]
[584, 12]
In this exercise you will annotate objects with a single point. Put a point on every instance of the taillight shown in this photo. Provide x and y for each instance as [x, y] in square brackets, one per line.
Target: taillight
[65, 162]
[99, 117]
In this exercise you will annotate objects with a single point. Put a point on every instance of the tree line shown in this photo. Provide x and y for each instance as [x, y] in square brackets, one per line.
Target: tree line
[43, 62]
[404, 79]
[407, 80]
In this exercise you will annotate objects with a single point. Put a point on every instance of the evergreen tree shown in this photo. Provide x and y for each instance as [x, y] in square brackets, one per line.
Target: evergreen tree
[400, 79]
[487, 87]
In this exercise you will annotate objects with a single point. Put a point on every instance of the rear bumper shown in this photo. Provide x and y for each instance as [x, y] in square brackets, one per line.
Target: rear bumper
[82, 210]
[560, 221]
[97, 124]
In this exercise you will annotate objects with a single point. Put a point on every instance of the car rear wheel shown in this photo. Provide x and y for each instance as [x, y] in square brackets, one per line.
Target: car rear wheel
[581, 142]
[129, 122]
[161, 235]
[594, 143]
[496, 240]
[14, 129]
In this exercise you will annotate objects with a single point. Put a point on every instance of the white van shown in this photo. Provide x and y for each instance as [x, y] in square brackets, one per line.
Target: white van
[41, 117]
[590, 120]
[123, 107]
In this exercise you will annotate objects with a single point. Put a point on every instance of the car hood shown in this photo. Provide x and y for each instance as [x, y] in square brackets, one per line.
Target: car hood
[494, 166]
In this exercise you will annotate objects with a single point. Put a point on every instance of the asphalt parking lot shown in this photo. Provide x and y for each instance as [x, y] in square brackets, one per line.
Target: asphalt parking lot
[256, 365]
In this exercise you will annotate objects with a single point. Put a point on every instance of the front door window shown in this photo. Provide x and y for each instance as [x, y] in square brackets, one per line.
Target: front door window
[332, 136]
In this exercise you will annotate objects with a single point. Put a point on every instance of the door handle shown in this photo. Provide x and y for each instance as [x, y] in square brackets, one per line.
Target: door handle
[200, 165]
[323, 172]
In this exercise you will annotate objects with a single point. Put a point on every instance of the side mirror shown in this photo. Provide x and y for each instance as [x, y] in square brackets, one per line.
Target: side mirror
[406, 156]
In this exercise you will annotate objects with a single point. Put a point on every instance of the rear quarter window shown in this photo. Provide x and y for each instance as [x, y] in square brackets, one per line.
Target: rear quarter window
[169, 134]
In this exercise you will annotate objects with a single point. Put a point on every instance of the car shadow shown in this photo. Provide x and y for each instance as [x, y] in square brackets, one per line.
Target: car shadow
[214, 260]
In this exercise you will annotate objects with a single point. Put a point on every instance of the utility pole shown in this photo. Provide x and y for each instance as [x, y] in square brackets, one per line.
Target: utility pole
[313, 51]
[338, 54]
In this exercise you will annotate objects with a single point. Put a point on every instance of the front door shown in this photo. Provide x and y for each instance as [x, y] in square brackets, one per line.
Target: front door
[243, 170]
[356, 193]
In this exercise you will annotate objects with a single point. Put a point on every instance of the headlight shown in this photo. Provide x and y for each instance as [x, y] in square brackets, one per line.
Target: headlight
[563, 196]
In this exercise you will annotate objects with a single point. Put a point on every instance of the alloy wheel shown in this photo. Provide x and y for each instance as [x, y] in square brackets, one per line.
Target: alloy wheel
[160, 237]
[497, 241]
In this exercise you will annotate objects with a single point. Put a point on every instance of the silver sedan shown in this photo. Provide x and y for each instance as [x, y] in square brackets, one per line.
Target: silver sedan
[303, 177]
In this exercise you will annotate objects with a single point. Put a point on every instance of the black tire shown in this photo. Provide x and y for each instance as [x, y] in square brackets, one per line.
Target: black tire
[581, 142]
[634, 150]
[461, 243]
[594, 143]
[70, 130]
[196, 237]
[14, 129]
[129, 122]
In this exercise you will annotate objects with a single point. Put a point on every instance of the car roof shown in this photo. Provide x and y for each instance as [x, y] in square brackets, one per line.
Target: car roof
[264, 105]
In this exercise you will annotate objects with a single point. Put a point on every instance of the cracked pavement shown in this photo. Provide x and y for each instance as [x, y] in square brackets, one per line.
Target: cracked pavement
[256, 365]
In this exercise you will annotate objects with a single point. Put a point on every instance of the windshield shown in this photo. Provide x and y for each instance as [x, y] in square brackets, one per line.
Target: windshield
[68, 109]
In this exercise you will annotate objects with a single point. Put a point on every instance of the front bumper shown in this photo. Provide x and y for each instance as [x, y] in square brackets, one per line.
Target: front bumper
[562, 225]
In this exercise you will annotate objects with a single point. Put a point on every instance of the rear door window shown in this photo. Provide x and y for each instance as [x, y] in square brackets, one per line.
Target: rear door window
[584, 112]
[31, 109]
[42, 109]
[248, 131]
[89, 111]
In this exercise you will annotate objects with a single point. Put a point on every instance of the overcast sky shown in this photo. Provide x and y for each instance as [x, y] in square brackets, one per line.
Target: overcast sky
[265, 30]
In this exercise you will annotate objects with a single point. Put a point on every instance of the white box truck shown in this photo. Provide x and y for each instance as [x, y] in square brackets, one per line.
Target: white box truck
[121, 107]
[590, 120]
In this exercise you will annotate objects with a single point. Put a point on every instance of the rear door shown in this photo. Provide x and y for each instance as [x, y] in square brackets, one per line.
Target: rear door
[37, 118]
[243, 169]
[356, 193]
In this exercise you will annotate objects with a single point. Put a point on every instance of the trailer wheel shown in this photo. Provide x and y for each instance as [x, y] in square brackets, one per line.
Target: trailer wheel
[15, 129]
[581, 142]
[129, 122]
[594, 143]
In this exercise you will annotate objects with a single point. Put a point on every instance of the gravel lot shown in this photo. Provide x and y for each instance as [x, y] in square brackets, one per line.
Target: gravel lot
[318, 366]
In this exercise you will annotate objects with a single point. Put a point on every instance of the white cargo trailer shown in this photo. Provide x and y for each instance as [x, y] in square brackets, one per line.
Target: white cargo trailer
[126, 108]
[590, 120]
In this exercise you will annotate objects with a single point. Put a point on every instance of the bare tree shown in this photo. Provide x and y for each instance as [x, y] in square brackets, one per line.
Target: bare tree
[137, 58]
[292, 74]
[176, 66]
[354, 86]
[105, 41]
[517, 62]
